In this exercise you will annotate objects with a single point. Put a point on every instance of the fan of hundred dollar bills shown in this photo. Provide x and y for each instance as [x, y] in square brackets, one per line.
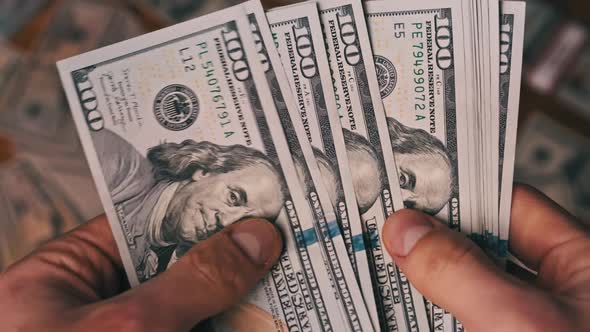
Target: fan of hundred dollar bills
[324, 117]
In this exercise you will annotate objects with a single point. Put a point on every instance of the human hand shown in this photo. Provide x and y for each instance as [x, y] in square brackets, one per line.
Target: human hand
[454, 273]
[77, 282]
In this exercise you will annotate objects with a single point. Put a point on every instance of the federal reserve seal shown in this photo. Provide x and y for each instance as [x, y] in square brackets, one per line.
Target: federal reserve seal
[386, 75]
[176, 107]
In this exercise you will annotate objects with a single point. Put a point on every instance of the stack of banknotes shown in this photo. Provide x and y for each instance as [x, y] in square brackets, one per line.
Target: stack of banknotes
[324, 117]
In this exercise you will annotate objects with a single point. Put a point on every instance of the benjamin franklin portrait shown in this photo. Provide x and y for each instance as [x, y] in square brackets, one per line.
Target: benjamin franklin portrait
[365, 170]
[423, 165]
[181, 193]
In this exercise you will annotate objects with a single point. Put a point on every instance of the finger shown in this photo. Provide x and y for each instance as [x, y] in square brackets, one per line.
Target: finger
[85, 261]
[452, 271]
[538, 225]
[214, 275]
[547, 238]
[80, 267]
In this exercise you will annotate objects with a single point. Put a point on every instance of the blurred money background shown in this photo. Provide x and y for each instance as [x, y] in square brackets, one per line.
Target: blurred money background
[553, 149]
[45, 184]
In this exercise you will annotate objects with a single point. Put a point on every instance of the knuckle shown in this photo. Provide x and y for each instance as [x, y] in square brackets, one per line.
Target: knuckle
[556, 317]
[560, 271]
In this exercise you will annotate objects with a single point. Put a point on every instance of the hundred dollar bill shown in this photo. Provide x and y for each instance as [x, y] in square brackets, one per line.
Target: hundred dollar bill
[399, 305]
[421, 84]
[474, 131]
[494, 104]
[484, 119]
[355, 316]
[176, 115]
[475, 78]
[512, 20]
[489, 43]
[297, 35]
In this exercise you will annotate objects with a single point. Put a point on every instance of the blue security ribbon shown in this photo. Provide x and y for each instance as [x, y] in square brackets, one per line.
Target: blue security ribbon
[373, 239]
[503, 248]
[309, 237]
[478, 239]
[358, 243]
[491, 241]
[333, 229]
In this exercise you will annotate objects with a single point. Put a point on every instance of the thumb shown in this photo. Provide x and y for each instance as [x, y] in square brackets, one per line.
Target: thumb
[451, 271]
[212, 276]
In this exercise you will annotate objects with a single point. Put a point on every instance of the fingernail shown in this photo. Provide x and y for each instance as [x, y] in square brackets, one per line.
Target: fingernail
[257, 238]
[404, 229]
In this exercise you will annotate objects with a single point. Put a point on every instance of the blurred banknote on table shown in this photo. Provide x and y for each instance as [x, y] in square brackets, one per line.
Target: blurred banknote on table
[34, 105]
[575, 89]
[14, 14]
[34, 114]
[557, 55]
[35, 117]
[82, 25]
[33, 108]
[555, 160]
[34, 210]
[10, 60]
[172, 11]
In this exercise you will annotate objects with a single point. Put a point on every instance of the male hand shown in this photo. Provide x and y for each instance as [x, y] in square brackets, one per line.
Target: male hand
[454, 273]
[77, 282]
